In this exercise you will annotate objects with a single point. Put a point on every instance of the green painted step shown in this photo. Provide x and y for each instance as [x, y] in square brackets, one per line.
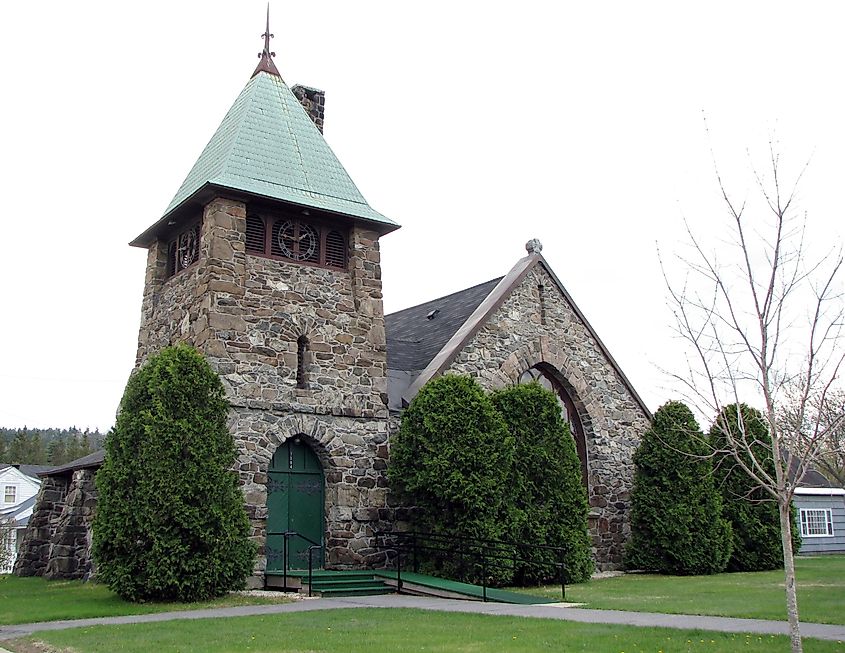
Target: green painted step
[326, 573]
[341, 583]
[348, 582]
[355, 591]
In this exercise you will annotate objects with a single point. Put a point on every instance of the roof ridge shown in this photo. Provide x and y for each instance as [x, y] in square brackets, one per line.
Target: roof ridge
[292, 133]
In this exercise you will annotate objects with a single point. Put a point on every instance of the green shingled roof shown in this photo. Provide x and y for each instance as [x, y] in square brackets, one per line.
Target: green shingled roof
[268, 146]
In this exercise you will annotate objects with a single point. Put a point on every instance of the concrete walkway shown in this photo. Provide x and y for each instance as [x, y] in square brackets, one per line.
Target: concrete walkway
[546, 611]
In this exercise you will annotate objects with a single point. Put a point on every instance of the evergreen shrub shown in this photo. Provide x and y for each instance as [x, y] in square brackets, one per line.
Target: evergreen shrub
[451, 460]
[550, 500]
[752, 512]
[676, 511]
[170, 521]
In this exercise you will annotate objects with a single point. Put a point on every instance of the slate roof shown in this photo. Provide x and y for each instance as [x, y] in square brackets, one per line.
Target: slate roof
[91, 460]
[267, 146]
[413, 339]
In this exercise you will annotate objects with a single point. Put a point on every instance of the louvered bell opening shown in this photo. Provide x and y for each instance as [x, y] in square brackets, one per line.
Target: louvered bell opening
[335, 250]
[171, 260]
[255, 230]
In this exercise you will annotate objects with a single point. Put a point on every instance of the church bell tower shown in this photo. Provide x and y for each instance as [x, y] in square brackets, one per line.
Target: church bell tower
[267, 261]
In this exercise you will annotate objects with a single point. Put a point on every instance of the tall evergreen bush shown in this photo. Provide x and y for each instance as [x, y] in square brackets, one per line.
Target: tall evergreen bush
[452, 461]
[170, 521]
[676, 511]
[550, 501]
[752, 512]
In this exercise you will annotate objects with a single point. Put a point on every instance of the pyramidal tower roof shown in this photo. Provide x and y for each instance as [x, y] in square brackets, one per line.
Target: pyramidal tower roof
[268, 147]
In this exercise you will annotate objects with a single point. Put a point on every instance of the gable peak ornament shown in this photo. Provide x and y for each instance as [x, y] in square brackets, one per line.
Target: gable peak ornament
[534, 246]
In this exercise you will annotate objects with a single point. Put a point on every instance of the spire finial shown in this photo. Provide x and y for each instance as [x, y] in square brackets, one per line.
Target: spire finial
[267, 36]
[266, 56]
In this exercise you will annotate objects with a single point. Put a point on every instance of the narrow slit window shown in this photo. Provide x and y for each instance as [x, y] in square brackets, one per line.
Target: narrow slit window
[542, 292]
[301, 349]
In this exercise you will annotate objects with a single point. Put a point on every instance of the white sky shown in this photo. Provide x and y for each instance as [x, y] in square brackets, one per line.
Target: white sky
[475, 125]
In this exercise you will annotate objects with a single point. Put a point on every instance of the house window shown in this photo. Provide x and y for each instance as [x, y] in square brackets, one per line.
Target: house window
[293, 239]
[816, 522]
[184, 250]
[10, 494]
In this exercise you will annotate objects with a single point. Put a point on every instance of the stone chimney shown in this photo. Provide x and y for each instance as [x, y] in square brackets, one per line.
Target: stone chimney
[314, 101]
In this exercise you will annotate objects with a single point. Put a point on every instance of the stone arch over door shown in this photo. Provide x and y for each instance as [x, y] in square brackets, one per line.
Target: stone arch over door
[295, 504]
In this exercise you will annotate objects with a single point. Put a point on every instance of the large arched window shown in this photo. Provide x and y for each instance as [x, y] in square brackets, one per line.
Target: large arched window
[567, 410]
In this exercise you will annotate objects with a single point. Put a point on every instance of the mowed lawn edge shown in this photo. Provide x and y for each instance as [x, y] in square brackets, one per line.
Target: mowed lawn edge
[31, 600]
[752, 595]
[375, 630]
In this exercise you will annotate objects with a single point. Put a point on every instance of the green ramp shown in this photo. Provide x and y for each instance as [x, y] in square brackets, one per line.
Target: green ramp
[432, 586]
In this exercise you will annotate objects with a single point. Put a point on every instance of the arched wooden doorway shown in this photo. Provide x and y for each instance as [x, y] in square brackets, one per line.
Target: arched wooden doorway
[567, 411]
[295, 500]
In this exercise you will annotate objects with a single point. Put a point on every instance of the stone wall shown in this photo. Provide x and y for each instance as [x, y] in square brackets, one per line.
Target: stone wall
[34, 552]
[520, 335]
[70, 550]
[313, 101]
[57, 541]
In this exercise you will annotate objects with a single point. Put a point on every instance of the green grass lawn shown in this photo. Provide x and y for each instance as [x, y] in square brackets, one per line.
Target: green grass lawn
[395, 630]
[26, 600]
[760, 595]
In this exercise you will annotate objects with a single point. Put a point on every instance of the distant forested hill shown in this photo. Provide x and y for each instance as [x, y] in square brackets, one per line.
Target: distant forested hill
[33, 446]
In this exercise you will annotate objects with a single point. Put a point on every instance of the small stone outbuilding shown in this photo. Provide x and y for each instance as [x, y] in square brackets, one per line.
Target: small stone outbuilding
[57, 541]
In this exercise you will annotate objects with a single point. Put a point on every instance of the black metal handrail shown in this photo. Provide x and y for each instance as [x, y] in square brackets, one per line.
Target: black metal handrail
[484, 550]
[313, 546]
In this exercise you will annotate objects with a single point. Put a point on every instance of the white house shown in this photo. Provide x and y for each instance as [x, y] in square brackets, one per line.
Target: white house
[18, 487]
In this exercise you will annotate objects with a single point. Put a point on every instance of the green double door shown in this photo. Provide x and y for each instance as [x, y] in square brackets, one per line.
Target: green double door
[295, 500]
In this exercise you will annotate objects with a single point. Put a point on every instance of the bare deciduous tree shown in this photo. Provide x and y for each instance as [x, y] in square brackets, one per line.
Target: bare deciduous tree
[830, 414]
[762, 319]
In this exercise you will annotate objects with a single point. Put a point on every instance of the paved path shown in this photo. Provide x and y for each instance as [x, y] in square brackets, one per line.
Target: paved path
[546, 611]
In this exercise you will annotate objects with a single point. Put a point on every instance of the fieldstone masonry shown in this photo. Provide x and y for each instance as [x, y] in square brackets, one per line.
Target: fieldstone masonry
[70, 551]
[34, 553]
[57, 542]
[313, 100]
[525, 332]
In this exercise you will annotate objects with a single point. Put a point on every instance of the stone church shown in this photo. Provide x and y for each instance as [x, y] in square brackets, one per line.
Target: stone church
[267, 261]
